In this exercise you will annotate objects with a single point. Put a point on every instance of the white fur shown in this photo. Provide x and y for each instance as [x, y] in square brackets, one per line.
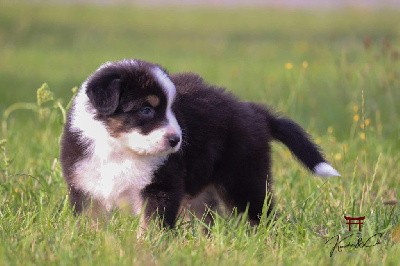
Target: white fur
[170, 91]
[325, 170]
[166, 84]
[110, 171]
[84, 124]
[155, 143]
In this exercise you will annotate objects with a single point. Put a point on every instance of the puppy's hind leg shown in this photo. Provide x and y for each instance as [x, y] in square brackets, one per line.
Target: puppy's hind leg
[202, 206]
[247, 191]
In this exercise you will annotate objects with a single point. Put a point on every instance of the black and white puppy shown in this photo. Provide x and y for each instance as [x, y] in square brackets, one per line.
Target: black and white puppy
[136, 135]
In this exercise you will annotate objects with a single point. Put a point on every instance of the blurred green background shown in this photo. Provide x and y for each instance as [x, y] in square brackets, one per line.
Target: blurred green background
[334, 54]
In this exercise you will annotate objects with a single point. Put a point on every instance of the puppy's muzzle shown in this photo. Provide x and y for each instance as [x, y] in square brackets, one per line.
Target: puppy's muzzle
[173, 140]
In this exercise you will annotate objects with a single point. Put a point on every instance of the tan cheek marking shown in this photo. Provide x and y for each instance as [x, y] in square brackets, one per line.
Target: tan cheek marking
[153, 100]
[114, 126]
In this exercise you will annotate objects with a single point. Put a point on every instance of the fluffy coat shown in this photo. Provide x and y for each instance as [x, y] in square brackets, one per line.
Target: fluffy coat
[136, 135]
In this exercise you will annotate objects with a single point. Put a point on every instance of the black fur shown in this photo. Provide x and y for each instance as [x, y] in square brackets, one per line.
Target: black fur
[226, 144]
[298, 141]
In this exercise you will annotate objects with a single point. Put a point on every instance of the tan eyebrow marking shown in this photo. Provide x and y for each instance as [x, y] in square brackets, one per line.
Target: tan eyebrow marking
[153, 100]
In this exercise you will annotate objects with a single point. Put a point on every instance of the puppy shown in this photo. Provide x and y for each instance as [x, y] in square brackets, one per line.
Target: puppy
[136, 136]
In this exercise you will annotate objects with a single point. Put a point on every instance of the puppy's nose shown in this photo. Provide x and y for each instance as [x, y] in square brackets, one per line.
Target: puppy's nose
[174, 140]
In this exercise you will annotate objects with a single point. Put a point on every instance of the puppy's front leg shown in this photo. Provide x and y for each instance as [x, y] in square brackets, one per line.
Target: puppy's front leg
[162, 201]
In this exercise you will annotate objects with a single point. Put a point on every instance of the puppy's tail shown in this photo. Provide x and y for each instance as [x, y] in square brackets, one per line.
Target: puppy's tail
[300, 144]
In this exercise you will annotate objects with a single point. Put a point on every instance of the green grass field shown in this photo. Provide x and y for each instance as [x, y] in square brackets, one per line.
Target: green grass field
[336, 73]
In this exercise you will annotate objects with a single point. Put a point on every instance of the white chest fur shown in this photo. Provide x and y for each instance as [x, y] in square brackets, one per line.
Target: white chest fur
[119, 176]
[109, 172]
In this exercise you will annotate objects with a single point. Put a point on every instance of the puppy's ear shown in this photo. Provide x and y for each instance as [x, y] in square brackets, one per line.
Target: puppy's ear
[103, 93]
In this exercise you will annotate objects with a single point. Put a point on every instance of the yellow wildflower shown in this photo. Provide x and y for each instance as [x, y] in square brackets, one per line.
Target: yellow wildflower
[288, 65]
[338, 156]
[363, 136]
[356, 117]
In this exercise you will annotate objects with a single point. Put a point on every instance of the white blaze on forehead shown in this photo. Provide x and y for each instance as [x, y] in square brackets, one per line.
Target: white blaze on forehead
[170, 91]
[166, 84]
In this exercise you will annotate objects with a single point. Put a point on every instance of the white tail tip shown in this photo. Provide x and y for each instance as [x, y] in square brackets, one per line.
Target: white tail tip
[325, 170]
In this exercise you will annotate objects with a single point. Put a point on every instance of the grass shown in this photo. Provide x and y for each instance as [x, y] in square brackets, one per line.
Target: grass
[336, 73]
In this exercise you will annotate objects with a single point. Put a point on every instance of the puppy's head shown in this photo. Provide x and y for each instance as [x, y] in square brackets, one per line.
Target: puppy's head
[134, 101]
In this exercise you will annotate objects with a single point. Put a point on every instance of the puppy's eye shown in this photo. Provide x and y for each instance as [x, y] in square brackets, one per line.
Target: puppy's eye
[147, 111]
